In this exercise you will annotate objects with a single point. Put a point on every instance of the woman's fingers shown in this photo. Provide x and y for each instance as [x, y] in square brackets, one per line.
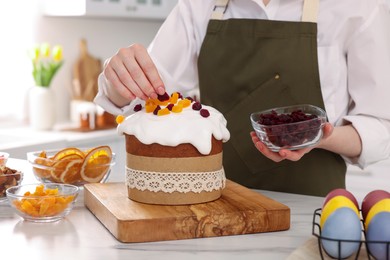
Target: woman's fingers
[285, 154]
[264, 149]
[150, 70]
[116, 83]
[132, 73]
[327, 130]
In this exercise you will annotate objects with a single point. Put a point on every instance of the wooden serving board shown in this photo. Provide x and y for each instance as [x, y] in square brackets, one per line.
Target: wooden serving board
[238, 211]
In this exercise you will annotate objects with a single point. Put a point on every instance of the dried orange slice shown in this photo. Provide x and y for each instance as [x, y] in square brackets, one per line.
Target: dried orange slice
[58, 169]
[66, 152]
[96, 164]
[74, 156]
[71, 173]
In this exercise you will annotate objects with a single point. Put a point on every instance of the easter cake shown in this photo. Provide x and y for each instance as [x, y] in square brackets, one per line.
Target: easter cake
[174, 151]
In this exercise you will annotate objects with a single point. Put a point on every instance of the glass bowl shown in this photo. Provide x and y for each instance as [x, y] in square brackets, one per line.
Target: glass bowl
[291, 127]
[8, 178]
[42, 202]
[3, 158]
[76, 166]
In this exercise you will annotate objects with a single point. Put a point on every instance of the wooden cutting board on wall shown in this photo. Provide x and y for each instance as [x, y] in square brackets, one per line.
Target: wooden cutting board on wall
[85, 74]
[238, 211]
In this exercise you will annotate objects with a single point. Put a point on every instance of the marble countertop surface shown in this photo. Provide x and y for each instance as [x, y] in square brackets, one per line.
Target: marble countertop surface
[81, 236]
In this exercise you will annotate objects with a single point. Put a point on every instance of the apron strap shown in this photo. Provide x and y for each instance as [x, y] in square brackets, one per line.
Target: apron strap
[219, 9]
[310, 11]
[309, 14]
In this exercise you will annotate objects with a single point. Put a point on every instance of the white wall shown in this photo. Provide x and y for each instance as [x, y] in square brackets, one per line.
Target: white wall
[104, 37]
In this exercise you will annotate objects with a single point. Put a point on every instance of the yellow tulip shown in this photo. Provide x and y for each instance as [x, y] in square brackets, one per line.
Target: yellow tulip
[45, 50]
[46, 62]
[34, 53]
[57, 52]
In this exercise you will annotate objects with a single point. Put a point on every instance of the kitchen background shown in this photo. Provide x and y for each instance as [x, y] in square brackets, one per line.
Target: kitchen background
[24, 24]
[22, 28]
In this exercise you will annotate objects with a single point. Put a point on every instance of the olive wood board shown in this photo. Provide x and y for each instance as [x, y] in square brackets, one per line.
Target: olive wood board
[238, 211]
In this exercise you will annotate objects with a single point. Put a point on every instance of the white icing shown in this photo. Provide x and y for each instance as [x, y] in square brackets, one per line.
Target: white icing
[187, 126]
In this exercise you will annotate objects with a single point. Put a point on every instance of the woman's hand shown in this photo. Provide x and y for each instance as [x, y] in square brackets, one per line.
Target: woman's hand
[131, 73]
[285, 154]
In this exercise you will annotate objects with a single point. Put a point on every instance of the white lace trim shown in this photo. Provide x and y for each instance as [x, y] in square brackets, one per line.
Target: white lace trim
[175, 181]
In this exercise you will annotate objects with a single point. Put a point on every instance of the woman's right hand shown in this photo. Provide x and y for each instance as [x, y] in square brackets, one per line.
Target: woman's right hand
[131, 73]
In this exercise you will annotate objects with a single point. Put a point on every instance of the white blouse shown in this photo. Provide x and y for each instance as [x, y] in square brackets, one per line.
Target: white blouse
[353, 54]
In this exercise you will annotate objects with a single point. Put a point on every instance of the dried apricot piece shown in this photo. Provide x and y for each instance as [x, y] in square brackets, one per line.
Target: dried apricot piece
[185, 102]
[42, 160]
[174, 98]
[163, 112]
[177, 108]
[149, 108]
[119, 119]
[162, 103]
[43, 203]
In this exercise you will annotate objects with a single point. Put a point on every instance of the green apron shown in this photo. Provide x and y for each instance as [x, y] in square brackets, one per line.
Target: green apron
[248, 65]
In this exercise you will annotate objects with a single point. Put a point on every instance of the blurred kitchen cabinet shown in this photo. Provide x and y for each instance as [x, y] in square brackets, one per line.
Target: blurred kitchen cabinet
[147, 9]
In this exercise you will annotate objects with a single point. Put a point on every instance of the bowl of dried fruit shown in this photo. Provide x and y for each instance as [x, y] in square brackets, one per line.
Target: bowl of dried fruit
[291, 127]
[8, 178]
[42, 202]
[76, 166]
[3, 158]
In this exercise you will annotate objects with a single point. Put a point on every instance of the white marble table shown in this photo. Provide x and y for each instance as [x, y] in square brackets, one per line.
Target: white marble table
[81, 236]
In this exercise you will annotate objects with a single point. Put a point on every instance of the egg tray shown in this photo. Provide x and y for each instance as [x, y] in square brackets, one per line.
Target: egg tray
[362, 251]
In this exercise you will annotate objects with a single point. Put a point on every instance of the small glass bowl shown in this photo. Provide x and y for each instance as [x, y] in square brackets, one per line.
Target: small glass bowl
[8, 178]
[33, 205]
[76, 166]
[291, 136]
[3, 158]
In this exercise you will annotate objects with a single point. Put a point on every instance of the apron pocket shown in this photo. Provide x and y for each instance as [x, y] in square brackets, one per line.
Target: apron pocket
[272, 93]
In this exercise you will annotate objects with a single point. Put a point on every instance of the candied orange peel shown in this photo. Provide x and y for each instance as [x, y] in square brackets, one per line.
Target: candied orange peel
[43, 202]
[165, 104]
[119, 119]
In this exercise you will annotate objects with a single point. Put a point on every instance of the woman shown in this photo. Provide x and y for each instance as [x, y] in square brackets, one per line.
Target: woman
[250, 55]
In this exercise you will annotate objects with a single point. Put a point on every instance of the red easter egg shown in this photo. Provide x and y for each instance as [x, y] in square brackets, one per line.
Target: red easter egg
[340, 192]
[371, 199]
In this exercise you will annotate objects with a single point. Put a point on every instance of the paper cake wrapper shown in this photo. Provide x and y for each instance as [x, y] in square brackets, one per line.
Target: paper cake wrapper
[197, 164]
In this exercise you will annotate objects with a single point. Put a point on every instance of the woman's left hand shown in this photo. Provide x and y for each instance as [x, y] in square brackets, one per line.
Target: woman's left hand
[285, 154]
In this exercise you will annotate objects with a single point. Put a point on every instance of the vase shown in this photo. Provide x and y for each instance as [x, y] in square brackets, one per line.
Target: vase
[41, 108]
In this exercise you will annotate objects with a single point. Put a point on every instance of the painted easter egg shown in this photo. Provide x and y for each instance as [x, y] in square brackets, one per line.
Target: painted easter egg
[342, 224]
[335, 203]
[381, 206]
[371, 198]
[340, 192]
[379, 230]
